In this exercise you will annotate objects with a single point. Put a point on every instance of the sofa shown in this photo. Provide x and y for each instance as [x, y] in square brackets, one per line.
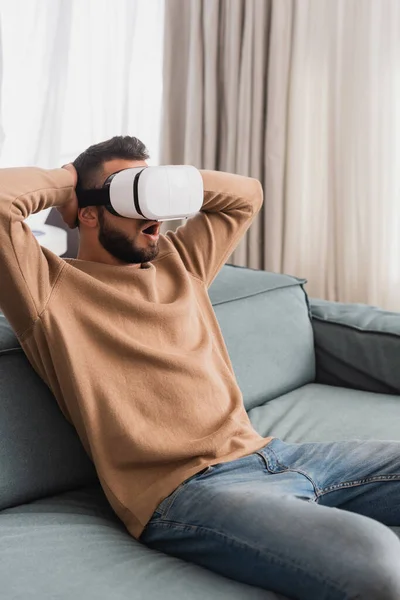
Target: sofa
[309, 370]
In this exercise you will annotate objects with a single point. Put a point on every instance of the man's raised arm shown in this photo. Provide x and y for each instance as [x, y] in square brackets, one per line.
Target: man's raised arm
[28, 272]
[206, 240]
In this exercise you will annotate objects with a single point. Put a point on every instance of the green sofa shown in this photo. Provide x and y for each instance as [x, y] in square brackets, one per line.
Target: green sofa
[309, 370]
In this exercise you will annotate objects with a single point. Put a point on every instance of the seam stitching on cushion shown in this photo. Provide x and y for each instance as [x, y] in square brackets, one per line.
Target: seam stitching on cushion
[10, 351]
[257, 293]
[354, 327]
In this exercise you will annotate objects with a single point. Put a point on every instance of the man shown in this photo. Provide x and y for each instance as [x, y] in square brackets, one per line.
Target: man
[127, 340]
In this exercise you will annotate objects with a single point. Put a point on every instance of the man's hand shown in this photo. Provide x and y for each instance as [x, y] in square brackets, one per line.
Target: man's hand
[69, 210]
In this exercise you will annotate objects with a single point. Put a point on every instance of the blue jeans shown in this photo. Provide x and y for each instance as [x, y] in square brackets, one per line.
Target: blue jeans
[308, 521]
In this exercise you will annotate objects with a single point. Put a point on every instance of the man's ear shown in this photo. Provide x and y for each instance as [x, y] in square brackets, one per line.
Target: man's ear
[88, 216]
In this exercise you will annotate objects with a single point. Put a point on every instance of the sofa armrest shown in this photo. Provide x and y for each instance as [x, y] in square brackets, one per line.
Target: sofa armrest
[356, 346]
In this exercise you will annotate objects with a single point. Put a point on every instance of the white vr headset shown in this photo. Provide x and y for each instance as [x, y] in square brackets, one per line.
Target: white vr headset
[161, 193]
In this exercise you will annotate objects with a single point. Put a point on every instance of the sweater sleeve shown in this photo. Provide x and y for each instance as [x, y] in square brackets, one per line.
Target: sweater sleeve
[28, 272]
[207, 239]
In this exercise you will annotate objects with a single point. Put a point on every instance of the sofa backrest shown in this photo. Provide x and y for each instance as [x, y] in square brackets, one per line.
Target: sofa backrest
[40, 452]
[264, 318]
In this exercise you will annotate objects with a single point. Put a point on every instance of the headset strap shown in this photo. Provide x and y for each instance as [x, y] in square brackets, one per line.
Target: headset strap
[93, 197]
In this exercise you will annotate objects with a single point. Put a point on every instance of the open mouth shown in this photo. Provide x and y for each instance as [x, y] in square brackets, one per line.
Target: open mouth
[152, 230]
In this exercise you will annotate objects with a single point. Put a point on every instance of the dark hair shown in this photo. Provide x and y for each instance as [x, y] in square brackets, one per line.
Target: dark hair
[89, 164]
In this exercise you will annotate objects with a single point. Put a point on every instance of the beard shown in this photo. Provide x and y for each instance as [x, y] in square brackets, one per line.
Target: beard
[120, 245]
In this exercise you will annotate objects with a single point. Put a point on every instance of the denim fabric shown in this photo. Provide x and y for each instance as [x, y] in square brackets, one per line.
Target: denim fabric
[308, 521]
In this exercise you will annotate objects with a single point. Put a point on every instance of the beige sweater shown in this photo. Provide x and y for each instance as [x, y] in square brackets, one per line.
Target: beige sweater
[134, 357]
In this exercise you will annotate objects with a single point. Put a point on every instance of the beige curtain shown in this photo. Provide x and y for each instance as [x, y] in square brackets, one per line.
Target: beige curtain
[305, 96]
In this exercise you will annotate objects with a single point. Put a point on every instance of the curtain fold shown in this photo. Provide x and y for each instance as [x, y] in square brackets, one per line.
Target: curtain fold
[216, 55]
[305, 96]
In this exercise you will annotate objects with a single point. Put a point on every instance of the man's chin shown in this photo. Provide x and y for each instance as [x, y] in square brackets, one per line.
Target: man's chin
[151, 256]
[138, 258]
[124, 249]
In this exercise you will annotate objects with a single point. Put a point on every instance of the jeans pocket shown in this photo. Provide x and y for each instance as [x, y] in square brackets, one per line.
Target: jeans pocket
[272, 461]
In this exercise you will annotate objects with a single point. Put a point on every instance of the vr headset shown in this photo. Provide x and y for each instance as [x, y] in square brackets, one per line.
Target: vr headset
[161, 193]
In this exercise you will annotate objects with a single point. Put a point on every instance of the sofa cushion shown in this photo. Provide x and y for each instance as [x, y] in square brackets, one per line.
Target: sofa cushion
[40, 452]
[8, 340]
[323, 413]
[265, 320]
[356, 346]
[72, 546]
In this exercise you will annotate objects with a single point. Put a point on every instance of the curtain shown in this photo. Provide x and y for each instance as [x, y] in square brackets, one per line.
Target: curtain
[213, 110]
[74, 73]
[342, 205]
[305, 96]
